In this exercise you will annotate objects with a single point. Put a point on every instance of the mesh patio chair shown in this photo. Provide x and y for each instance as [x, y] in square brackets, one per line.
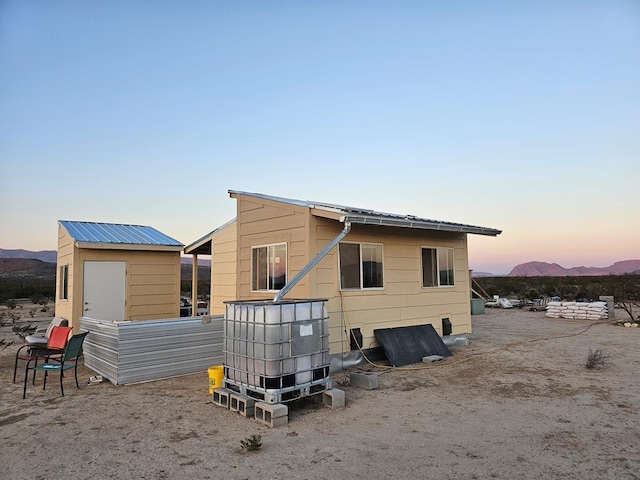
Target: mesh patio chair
[53, 349]
[33, 343]
[68, 360]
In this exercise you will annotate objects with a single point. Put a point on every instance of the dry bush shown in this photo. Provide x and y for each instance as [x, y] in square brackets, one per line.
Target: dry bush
[596, 358]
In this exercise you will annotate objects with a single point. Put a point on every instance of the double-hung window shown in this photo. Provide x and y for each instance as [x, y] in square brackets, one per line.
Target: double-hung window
[361, 266]
[437, 267]
[269, 267]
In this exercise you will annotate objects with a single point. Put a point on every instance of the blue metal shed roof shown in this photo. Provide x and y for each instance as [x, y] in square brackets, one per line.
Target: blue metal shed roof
[94, 232]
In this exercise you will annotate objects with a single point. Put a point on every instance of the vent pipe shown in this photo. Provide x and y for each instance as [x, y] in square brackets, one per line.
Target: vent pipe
[319, 256]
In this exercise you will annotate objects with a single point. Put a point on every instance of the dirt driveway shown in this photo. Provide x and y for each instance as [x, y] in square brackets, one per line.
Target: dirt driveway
[516, 403]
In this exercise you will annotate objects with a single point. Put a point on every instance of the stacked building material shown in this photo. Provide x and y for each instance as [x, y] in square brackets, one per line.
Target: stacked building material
[578, 310]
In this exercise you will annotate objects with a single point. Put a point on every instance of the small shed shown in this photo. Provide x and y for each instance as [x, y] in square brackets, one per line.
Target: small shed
[116, 272]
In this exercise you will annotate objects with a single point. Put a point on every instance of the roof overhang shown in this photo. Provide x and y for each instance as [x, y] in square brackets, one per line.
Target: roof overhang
[419, 224]
[364, 216]
[204, 245]
[128, 246]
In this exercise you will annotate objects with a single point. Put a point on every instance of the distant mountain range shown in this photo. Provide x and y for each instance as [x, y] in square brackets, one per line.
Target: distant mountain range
[529, 269]
[51, 256]
[544, 269]
[44, 255]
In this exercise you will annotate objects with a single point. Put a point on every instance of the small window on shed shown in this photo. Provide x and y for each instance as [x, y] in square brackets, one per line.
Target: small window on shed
[64, 282]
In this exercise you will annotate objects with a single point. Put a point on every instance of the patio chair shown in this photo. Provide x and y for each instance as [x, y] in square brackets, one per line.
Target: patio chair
[36, 342]
[68, 359]
[53, 349]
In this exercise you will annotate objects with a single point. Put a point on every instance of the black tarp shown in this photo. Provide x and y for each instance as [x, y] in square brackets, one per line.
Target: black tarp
[407, 345]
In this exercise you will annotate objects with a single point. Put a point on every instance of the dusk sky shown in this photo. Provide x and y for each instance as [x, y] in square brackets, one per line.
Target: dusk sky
[521, 116]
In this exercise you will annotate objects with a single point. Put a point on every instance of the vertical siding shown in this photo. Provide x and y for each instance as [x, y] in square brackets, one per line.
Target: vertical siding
[224, 256]
[264, 222]
[402, 301]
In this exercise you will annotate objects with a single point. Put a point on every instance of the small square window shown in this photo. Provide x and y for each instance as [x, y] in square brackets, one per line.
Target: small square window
[437, 267]
[269, 264]
[361, 266]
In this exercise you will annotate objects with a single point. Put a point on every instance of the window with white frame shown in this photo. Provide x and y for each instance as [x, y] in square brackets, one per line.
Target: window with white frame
[437, 267]
[361, 266]
[64, 282]
[269, 267]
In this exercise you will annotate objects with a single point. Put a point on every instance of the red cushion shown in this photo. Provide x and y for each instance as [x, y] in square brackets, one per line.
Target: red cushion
[58, 337]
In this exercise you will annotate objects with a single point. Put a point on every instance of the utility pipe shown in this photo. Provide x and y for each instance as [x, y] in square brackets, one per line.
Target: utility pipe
[319, 256]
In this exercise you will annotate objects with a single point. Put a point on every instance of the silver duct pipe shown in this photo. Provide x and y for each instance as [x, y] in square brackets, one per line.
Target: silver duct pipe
[319, 256]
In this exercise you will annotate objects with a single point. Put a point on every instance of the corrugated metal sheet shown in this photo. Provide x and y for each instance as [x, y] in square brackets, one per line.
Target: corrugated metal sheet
[372, 217]
[130, 352]
[93, 232]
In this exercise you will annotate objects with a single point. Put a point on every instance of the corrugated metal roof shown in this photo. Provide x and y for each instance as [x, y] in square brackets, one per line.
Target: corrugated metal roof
[372, 217]
[115, 233]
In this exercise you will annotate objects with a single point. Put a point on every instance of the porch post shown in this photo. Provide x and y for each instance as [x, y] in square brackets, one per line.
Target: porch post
[194, 286]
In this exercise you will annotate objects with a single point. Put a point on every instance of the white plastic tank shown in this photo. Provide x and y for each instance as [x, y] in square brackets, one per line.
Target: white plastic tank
[274, 347]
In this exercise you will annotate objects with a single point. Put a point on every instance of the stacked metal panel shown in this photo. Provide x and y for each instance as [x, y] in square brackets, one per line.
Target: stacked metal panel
[138, 351]
[274, 348]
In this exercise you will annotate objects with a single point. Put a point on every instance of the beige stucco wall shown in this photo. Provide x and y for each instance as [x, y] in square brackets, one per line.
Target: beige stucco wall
[152, 284]
[402, 301]
[224, 254]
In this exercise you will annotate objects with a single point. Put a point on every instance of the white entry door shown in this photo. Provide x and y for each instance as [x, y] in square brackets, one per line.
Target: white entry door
[104, 290]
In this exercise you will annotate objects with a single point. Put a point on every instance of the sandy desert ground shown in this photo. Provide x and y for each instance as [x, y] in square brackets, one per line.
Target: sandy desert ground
[517, 402]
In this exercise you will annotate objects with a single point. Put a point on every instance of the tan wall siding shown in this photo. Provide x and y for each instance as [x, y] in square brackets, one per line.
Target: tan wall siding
[64, 308]
[263, 222]
[152, 284]
[403, 301]
[223, 268]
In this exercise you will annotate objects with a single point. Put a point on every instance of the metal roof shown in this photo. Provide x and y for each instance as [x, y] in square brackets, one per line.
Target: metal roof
[372, 217]
[115, 233]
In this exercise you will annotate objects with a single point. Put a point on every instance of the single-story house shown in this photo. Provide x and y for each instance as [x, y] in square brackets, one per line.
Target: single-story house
[377, 270]
[116, 272]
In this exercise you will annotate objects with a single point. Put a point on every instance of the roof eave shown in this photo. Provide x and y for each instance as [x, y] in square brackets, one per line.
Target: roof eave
[129, 246]
[422, 225]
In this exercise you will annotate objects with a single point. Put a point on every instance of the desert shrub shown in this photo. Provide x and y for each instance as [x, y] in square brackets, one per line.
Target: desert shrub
[252, 443]
[11, 303]
[596, 358]
[24, 331]
[4, 344]
[8, 317]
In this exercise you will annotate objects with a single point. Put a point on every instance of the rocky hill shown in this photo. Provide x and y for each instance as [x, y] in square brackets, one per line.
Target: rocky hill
[544, 269]
[44, 255]
[26, 267]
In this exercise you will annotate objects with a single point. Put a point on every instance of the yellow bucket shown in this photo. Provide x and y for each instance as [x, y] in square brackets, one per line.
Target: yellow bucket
[216, 374]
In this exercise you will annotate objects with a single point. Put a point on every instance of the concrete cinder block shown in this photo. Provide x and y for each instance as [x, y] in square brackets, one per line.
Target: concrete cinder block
[334, 398]
[242, 404]
[271, 415]
[432, 359]
[221, 397]
[366, 380]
